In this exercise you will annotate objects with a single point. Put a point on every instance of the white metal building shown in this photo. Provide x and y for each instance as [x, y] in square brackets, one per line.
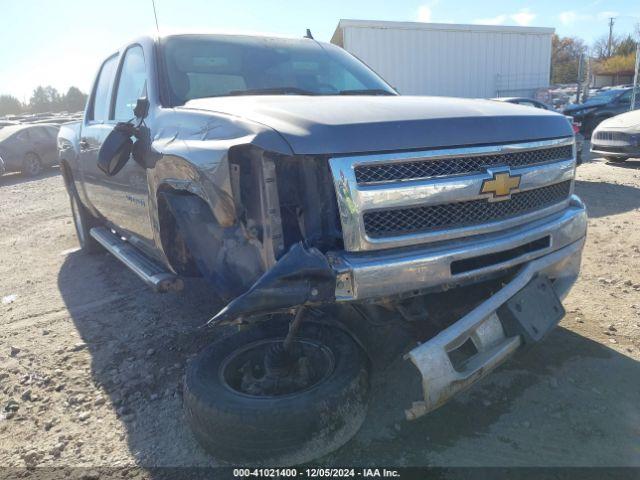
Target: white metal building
[477, 61]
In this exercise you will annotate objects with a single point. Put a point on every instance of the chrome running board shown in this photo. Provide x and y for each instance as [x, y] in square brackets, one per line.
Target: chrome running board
[149, 271]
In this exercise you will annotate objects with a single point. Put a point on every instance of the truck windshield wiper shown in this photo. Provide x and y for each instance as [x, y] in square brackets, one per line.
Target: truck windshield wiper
[365, 91]
[273, 91]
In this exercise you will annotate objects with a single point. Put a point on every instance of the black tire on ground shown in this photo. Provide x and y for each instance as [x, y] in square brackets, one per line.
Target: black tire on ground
[31, 165]
[82, 219]
[616, 159]
[236, 427]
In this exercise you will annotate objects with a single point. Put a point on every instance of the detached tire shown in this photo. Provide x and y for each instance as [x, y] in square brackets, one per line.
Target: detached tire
[289, 429]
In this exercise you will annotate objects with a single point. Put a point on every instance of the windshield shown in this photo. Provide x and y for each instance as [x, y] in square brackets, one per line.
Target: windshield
[6, 132]
[604, 97]
[200, 66]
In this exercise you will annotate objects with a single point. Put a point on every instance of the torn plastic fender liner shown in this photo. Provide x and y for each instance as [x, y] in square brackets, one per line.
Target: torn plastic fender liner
[203, 237]
[302, 276]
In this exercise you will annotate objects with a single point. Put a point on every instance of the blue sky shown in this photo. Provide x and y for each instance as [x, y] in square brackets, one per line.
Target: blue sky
[61, 42]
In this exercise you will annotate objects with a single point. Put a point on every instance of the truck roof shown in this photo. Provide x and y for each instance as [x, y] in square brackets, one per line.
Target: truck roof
[155, 37]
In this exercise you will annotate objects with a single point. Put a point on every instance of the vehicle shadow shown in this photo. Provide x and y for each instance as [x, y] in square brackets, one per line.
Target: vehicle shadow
[630, 164]
[550, 405]
[605, 198]
[139, 342]
[9, 179]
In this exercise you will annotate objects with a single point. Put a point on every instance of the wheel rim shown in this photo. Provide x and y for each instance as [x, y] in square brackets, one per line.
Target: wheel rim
[245, 373]
[33, 165]
[77, 219]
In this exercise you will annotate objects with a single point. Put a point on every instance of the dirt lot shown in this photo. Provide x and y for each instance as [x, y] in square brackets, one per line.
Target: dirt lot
[91, 361]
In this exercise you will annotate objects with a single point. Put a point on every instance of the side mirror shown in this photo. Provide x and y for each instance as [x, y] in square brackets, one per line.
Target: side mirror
[115, 151]
[142, 107]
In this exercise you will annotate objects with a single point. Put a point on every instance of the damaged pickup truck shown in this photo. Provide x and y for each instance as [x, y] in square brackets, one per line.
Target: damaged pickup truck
[341, 223]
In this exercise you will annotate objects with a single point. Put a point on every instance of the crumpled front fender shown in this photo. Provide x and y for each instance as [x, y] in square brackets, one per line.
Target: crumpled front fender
[302, 276]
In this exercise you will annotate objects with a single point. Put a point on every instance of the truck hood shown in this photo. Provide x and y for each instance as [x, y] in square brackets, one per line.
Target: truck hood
[357, 124]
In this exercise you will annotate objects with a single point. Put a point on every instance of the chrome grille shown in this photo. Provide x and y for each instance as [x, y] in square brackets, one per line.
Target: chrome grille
[387, 223]
[611, 136]
[445, 167]
[383, 211]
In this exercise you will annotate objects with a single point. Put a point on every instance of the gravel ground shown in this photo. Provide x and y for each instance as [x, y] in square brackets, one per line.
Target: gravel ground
[91, 361]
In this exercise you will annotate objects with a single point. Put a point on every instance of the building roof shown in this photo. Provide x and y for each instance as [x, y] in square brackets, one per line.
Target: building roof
[382, 24]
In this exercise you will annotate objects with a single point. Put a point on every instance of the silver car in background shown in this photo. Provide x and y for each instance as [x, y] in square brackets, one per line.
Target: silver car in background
[618, 138]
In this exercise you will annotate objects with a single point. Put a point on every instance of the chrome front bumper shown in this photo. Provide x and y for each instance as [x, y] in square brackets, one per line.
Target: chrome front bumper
[440, 379]
[362, 276]
[367, 276]
[617, 151]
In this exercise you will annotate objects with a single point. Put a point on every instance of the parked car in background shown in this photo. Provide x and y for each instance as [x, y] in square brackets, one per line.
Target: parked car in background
[618, 138]
[530, 102]
[28, 148]
[606, 104]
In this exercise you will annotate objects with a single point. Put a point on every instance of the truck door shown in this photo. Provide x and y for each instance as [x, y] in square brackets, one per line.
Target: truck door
[94, 129]
[123, 198]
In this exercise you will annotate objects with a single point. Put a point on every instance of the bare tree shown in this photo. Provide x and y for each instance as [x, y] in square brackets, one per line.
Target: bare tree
[600, 48]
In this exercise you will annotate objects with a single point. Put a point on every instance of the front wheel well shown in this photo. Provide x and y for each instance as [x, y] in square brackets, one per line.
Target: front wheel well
[173, 244]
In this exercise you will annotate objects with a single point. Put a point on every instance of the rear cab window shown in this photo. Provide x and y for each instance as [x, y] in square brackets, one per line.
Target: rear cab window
[101, 101]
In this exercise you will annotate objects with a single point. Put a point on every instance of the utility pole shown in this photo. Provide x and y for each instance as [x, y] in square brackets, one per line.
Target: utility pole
[579, 80]
[610, 36]
[636, 81]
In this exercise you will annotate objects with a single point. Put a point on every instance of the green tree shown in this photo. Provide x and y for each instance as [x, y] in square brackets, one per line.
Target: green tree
[625, 47]
[10, 105]
[616, 64]
[565, 55]
[45, 99]
[74, 100]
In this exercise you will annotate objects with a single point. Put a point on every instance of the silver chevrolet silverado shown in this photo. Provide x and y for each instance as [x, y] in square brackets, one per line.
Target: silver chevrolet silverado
[340, 223]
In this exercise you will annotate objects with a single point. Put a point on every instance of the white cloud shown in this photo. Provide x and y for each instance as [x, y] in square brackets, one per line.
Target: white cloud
[497, 20]
[424, 13]
[524, 17]
[567, 18]
[606, 15]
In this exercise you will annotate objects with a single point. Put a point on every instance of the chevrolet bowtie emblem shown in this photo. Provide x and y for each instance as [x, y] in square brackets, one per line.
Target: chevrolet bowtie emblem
[501, 185]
